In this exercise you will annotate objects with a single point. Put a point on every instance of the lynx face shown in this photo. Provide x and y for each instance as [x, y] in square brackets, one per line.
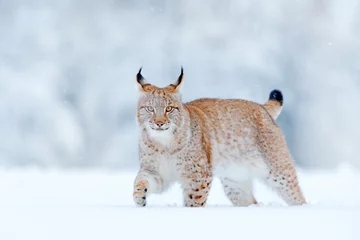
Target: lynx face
[159, 109]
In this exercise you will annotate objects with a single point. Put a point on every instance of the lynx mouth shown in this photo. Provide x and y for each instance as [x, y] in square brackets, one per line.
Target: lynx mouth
[160, 129]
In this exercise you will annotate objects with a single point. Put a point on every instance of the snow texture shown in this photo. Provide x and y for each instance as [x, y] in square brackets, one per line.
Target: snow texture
[57, 205]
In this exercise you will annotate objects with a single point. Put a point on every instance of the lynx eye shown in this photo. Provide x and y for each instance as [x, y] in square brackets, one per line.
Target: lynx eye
[150, 109]
[169, 109]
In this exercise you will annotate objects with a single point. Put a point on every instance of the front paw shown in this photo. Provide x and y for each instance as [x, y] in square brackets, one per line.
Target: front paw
[140, 193]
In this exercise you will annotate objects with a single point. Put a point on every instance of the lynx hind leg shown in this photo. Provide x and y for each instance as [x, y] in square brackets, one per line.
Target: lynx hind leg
[239, 193]
[285, 183]
[282, 174]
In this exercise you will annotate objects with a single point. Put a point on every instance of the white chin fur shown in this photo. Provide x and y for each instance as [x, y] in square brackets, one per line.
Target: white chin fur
[163, 137]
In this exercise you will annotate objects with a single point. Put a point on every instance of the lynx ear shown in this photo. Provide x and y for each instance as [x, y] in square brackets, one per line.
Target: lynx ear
[141, 80]
[176, 85]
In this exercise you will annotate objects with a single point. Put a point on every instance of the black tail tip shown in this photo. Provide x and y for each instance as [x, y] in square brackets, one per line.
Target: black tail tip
[276, 95]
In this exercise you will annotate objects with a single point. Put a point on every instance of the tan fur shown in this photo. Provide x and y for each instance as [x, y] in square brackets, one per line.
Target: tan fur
[236, 140]
[273, 107]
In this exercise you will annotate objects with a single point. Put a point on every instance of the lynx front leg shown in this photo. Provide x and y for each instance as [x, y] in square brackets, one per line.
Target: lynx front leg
[196, 192]
[146, 182]
[196, 181]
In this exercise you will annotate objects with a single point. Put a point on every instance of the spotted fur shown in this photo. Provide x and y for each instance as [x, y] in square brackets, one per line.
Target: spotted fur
[236, 140]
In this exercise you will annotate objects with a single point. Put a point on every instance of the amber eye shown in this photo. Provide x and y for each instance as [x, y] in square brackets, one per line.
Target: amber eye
[150, 109]
[169, 108]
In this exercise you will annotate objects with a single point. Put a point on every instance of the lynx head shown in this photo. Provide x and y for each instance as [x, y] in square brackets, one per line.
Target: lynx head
[159, 109]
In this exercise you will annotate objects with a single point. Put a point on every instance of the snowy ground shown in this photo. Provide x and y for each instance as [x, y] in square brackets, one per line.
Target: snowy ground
[89, 205]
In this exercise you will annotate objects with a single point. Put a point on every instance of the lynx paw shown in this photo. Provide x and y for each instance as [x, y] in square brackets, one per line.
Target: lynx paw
[140, 193]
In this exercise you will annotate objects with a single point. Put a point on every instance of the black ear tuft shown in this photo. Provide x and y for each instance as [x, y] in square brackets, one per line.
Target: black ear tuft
[180, 79]
[276, 95]
[139, 77]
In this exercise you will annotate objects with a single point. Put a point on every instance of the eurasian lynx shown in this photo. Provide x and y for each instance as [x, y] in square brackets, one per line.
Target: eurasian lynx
[236, 140]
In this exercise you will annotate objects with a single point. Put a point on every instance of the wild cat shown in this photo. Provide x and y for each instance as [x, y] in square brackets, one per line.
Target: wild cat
[235, 140]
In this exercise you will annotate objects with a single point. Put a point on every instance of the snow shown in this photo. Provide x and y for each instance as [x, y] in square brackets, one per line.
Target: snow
[97, 204]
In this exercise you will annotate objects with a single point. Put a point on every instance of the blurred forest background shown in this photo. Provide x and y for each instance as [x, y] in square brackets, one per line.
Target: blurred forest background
[67, 73]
